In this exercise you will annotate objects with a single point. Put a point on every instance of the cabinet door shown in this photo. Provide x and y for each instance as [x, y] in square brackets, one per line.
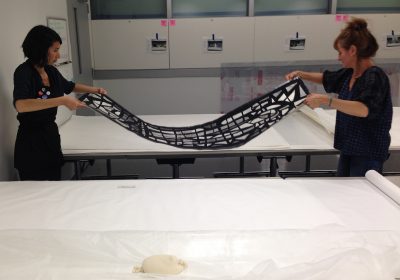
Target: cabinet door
[273, 37]
[208, 42]
[386, 29]
[130, 44]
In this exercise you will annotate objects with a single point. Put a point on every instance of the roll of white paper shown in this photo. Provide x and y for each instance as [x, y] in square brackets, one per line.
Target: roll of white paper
[384, 185]
[320, 116]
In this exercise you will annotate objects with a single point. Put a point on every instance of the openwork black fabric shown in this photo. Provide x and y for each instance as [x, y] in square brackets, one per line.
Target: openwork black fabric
[233, 129]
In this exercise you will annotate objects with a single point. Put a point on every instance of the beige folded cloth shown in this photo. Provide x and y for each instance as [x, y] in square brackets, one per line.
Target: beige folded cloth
[162, 264]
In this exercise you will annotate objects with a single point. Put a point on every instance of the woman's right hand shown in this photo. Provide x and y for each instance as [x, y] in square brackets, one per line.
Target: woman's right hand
[73, 103]
[293, 75]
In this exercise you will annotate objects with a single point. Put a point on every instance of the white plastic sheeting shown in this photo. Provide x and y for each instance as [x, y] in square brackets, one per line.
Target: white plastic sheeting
[243, 229]
[285, 254]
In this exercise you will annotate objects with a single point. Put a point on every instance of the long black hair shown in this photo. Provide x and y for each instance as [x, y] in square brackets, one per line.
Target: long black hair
[37, 43]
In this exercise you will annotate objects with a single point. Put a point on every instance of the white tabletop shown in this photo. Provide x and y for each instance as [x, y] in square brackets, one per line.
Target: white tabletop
[295, 133]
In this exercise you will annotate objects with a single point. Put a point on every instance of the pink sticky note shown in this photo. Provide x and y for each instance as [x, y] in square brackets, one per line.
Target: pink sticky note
[172, 22]
[338, 18]
[345, 17]
[164, 22]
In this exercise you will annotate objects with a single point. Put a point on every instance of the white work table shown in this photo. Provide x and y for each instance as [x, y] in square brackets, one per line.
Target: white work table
[233, 228]
[97, 137]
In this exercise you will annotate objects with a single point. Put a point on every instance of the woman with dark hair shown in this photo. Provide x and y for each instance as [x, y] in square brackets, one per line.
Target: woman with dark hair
[39, 89]
[364, 105]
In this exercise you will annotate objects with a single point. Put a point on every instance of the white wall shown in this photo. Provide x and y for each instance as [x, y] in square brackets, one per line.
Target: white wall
[17, 17]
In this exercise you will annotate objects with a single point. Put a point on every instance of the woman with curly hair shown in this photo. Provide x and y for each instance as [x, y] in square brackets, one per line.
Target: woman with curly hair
[364, 105]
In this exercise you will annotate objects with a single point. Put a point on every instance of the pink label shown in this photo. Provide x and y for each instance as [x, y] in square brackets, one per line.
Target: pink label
[172, 22]
[340, 18]
[164, 22]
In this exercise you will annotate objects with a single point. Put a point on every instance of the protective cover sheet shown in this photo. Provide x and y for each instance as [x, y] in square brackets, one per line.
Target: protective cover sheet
[162, 205]
[224, 228]
[284, 254]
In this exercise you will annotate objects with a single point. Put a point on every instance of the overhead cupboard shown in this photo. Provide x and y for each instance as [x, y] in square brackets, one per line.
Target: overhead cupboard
[274, 36]
[197, 34]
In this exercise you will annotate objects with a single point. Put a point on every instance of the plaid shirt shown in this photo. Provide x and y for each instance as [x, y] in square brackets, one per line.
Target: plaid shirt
[359, 136]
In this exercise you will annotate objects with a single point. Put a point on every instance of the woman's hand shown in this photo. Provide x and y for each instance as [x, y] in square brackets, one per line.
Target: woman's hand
[72, 103]
[90, 89]
[315, 100]
[100, 91]
[314, 77]
[293, 75]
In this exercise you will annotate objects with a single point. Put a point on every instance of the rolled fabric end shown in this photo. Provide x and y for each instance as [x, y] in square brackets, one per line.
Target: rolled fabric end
[383, 184]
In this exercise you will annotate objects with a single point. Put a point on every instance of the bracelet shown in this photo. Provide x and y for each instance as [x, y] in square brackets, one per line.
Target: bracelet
[330, 101]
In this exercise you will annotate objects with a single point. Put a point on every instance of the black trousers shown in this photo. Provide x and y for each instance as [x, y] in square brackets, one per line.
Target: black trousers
[37, 154]
[52, 174]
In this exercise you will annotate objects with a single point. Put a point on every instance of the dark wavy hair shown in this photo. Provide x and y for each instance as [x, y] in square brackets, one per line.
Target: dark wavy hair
[37, 43]
[356, 33]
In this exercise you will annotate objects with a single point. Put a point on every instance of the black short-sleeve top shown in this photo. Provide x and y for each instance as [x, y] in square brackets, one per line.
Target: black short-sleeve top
[359, 136]
[28, 85]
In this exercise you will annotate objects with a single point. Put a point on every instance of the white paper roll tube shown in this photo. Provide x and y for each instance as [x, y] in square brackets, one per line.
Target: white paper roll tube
[384, 185]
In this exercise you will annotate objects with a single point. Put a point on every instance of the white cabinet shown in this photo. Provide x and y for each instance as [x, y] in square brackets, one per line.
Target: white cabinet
[130, 44]
[208, 42]
[386, 29]
[315, 35]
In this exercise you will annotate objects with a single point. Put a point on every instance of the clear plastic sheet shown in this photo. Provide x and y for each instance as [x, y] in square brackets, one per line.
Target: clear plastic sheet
[329, 253]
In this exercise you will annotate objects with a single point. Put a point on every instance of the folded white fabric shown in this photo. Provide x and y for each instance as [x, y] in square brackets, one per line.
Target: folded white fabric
[162, 264]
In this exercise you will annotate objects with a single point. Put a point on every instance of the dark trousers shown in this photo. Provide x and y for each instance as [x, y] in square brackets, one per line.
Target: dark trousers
[49, 174]
[357, 166]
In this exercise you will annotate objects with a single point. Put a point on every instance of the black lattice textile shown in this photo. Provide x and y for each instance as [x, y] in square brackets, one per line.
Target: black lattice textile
[233, 129]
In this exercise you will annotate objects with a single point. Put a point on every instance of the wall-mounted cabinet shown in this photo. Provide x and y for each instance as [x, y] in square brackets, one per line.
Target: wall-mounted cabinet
[295, 38]
[130, 44]
[301, 38]
[209, 42]
[386, 29]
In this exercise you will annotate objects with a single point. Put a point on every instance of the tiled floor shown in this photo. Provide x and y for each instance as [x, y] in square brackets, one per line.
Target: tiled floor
[394, 179]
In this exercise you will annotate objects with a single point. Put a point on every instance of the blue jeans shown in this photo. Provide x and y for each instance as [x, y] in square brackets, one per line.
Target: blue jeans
[357, 166]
